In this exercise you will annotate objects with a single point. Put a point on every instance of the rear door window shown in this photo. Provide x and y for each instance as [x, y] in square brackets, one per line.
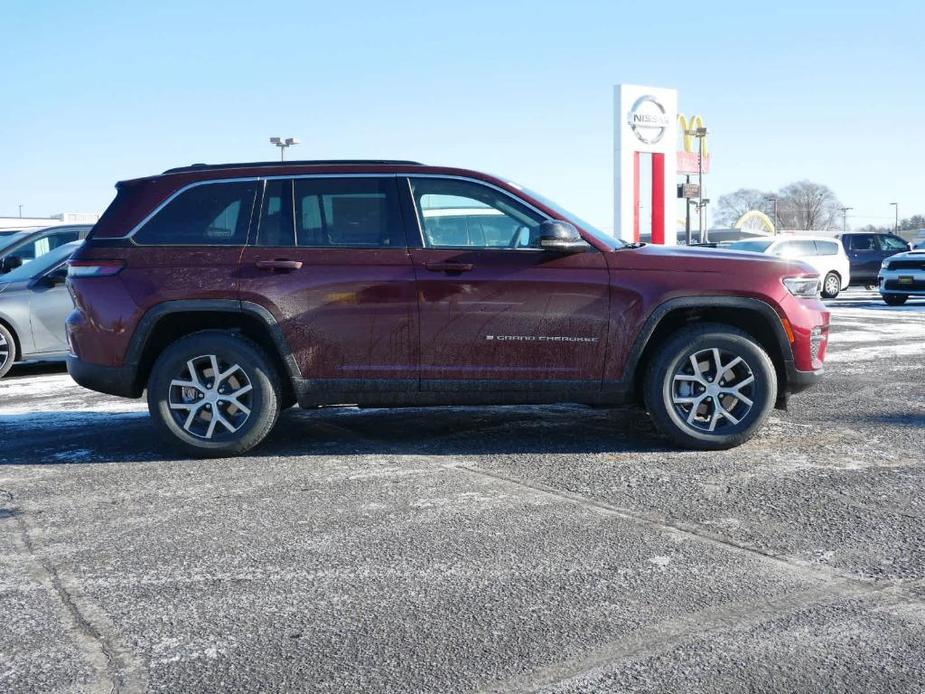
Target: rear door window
[795, 249]
[347, 212]
[826, 248]
[213, 214]
[862, 242]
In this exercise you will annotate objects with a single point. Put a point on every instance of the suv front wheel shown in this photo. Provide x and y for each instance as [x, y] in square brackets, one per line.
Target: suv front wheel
[214, 394]
[710, 387]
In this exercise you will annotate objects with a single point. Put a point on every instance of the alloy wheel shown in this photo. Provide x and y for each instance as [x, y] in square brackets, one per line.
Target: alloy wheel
[832, 285]
[5, 351]
[211, 397]
[713, 390]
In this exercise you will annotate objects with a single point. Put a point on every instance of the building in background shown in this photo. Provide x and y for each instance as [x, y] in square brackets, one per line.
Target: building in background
[55, 219]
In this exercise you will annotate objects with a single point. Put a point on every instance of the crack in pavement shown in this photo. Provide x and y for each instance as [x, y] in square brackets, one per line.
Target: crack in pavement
[116, 668]
[831, 586]
[664, 636]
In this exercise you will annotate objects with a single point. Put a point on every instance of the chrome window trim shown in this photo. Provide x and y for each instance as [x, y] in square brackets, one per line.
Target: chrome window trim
[261, 189]
[480, 182]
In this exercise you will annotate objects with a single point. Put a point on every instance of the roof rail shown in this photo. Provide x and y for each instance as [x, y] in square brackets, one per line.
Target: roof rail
[304, 162]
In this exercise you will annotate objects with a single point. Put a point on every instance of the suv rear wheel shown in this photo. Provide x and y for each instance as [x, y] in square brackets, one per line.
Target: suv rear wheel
[214, 393]
[7, 351]
[710, 387]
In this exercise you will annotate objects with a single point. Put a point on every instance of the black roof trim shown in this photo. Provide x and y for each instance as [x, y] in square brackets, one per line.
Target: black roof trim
[277, 164]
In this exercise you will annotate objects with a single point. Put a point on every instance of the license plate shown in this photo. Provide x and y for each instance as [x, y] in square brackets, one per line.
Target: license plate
[905, 279]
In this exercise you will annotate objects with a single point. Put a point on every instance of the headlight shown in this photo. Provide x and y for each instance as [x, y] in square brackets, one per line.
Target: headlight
[885, 265]
[802, 286]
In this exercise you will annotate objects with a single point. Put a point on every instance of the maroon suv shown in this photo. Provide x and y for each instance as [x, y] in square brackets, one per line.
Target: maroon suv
[229, 292]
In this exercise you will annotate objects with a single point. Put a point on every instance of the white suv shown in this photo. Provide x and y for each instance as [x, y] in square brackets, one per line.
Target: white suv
[826, 255]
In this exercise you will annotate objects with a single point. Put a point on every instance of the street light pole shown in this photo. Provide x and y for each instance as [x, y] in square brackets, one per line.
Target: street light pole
[773, 200]
[700, 134]
[896, 210]
[283, 143]
[844, 211]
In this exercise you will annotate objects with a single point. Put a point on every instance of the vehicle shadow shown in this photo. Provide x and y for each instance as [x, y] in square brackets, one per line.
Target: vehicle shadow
[92, 437]
[36, 368]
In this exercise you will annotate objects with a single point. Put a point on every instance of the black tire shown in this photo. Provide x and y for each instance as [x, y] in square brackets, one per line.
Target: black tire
[254, 368]
[895, 299]
[7, 350]
[674, 357]
[831, 285]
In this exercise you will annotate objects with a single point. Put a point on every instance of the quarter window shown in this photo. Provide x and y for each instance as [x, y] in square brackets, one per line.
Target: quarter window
[826, 248]
[462, 214]
[214, 214]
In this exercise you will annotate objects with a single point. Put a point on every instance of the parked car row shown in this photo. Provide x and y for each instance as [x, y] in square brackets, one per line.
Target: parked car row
[859, 258]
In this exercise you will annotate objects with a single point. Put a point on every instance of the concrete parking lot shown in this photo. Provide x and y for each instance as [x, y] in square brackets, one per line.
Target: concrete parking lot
[560, 549]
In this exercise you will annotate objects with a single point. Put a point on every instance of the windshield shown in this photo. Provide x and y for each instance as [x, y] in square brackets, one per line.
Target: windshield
[8, 239]
[753, 246]
[42, 264]
[574, 218]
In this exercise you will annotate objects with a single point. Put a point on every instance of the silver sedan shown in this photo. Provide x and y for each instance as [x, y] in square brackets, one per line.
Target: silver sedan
[33, 306]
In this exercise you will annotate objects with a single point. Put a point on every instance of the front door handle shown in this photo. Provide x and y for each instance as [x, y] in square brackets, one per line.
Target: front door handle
[279, 264]
[448, 267]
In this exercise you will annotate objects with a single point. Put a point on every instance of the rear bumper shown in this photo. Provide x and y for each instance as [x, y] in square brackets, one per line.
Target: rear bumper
[112, 380]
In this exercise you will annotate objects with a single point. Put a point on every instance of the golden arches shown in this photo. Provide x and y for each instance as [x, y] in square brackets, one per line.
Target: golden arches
[686, 127]
[756, 215]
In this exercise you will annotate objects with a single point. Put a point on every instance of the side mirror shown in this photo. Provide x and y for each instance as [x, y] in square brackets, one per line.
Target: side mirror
[561, 237]
[9, 263]
[57, 276]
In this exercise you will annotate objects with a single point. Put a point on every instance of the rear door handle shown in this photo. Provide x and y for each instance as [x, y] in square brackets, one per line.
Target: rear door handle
[448, 267]
[279, 264]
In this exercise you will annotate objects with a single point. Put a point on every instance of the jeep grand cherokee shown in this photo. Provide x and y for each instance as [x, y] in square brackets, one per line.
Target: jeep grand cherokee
[229, 292]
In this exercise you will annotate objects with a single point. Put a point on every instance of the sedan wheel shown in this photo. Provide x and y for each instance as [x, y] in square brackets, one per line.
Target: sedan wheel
[7, 351]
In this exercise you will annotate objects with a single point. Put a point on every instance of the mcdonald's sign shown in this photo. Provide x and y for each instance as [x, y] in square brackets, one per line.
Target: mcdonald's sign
[688, 157]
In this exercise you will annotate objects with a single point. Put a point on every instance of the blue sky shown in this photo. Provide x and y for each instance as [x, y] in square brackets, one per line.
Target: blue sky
[99, 91]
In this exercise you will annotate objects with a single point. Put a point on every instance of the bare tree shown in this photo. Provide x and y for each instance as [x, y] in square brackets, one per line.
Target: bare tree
[808, 205]
[733, 205]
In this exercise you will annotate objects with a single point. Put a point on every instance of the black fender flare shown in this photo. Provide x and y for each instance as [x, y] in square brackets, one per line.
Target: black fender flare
[151, 317]
[706, 302]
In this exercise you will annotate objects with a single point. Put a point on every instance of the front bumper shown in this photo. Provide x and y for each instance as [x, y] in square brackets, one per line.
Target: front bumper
[112, 380]
[798, 381]
[891, 282]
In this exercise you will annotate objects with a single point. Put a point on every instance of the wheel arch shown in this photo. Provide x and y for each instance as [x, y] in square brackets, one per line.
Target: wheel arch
[166, 322]
[753, 316]
[17, 343]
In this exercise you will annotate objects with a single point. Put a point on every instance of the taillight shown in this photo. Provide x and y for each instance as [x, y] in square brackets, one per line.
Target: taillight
[94, 268]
